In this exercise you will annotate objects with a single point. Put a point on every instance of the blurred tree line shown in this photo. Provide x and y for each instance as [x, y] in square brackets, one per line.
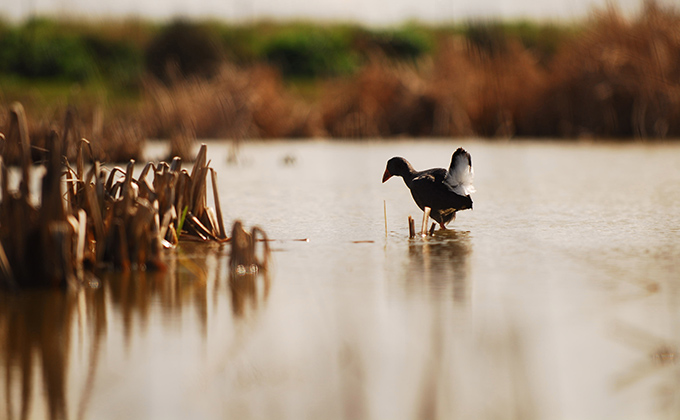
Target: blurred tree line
[119, 53]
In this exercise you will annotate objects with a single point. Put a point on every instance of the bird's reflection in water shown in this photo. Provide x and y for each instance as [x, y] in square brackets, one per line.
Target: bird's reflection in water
[438, 265]
[441, 261]
[484, 357]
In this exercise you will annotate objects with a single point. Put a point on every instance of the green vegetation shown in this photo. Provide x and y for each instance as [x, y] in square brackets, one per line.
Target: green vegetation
[310, 52]
[182, 50]
[42, 49]
[118, 54]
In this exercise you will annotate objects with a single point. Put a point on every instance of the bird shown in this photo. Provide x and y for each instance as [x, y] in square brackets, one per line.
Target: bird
[444, 192]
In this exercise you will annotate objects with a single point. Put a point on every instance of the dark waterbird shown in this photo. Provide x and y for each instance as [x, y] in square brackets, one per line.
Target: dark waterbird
[444, 192]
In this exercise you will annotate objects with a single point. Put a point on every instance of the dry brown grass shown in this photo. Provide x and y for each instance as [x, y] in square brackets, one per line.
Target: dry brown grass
[490, 92]
[382, 100]
[620, 79]
[235, 104]
[462, 91]
[116, 138]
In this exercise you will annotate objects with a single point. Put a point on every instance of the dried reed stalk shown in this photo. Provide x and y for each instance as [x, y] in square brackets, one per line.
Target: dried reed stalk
[385, 216]
[423, 226]
[411, 228]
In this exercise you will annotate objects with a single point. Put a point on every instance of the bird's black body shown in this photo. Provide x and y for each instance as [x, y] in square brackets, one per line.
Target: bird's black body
[431, 188]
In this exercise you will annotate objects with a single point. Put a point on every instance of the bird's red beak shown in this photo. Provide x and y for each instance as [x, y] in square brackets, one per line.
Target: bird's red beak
[387, 175]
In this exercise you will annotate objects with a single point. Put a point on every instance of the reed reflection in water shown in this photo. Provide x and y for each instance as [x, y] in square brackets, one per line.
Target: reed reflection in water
[35, 335]
[58, 336]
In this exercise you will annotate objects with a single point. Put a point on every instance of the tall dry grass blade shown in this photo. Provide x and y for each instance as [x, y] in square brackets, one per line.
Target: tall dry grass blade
[176, 164]
[95, 213]
[198, 177]
[200, 161]
[99, 184]
[72, 184]
[80, 158]
[218, 206]
[6, 275]
[18, 132]
[182, 198]
[210, 221]
[385, 216]
[20, 209]
[426, 216]
[69, 128]
[52, 207]
[128, 192]
[80, 243]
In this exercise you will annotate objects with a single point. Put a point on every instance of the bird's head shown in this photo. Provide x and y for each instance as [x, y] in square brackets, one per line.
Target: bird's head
[397, 166]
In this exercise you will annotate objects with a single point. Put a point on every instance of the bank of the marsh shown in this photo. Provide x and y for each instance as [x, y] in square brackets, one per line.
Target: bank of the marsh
[606, 77]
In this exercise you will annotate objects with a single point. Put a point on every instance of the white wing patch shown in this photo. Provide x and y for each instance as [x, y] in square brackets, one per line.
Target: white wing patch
[461, 174]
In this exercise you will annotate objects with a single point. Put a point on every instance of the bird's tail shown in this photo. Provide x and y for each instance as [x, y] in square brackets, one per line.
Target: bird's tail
[461, 174]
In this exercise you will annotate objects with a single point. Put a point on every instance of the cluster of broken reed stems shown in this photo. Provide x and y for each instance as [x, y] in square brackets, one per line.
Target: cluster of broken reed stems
[101, 219]
[247, 265]
[244, 255]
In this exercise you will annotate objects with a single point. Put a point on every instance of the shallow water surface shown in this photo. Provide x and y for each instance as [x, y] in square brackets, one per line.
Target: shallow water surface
[557, 297]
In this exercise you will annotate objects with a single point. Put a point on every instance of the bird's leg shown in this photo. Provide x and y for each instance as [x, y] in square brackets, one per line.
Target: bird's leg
[443, 226]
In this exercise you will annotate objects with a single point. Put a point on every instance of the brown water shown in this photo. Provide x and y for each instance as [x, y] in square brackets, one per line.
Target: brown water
[557, 297]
